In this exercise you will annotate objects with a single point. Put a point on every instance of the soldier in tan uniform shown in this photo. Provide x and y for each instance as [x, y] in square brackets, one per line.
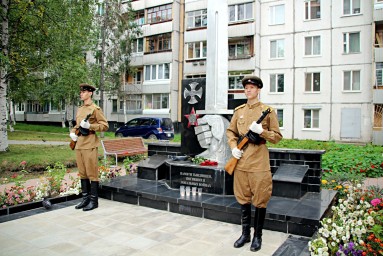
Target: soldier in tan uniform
[252, 175]
[87, 146]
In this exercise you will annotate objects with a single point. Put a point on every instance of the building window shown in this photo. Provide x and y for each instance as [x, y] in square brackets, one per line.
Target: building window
[280, 117]
[235, 79]
[160, 13]
[240, 48]
[140, 17]
[312, 82]
[114, 105]
[240, 12]
[277, 82]
[157, 101]
[197, 50]
[312, 45]
[277, 14]
[100, 9]
[36, 107]
[379, 73]
[277, 49]
[20, 107]
[312, 9]
[57, 106]
[311, 119]
[138, 45]
[121, 104]
[351, 7]
[351, 80]
[351, 42]
[158, 43]
[197, 19]
[134, 102]
[195, 76]
[157, 72]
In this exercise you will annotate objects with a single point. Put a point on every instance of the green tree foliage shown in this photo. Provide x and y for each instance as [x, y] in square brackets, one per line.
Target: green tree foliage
[43, 51]
[48, 42]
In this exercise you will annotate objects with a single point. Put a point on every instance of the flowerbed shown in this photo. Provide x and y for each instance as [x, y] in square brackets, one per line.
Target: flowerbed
[356, 224]
[52, 184]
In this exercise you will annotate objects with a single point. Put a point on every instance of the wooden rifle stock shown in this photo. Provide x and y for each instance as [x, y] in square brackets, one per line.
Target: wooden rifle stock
[72, 143]
[230, 165]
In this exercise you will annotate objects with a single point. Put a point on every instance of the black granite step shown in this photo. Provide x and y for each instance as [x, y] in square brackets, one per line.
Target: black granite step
[288, 215]
[293, 246]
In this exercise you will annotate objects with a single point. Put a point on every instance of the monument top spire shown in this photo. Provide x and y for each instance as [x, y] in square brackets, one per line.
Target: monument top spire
[217, 58]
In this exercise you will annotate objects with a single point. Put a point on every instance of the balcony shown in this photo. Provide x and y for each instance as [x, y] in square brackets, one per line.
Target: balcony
[133, 88]
[378, 54]
[378, 12]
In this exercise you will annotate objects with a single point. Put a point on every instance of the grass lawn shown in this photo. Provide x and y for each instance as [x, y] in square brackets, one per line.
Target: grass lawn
[338, 159]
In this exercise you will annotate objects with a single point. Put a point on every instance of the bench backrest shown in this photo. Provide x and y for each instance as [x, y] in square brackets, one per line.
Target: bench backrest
[131, 143]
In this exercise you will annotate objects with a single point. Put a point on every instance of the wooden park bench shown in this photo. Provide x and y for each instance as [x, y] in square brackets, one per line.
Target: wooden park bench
[123, 147]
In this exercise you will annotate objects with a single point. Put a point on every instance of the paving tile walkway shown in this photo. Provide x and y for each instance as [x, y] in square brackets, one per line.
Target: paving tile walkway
[123, 229]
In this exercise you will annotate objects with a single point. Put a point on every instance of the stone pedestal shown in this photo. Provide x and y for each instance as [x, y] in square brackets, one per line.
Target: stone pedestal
[288, 179]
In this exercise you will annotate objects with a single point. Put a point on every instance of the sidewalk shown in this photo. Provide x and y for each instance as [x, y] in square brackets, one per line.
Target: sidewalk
[37, 142]
[124, 229]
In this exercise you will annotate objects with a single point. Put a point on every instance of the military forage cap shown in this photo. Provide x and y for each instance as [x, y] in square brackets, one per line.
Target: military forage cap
[252, 80]
[87, 87]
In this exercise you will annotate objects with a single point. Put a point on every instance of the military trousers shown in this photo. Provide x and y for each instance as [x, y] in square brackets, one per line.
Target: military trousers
[253, 187]
[87, 163]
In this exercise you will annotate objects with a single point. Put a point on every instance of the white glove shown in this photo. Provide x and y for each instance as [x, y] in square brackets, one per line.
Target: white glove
[73, 136]
[237, 153]
[85, 124]
[257, 128]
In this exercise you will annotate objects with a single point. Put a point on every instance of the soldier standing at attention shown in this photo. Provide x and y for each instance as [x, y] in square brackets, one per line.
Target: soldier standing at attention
[87, 146]
[252, 174]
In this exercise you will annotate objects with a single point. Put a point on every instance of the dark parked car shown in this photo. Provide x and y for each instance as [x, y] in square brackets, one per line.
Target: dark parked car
[148, 128]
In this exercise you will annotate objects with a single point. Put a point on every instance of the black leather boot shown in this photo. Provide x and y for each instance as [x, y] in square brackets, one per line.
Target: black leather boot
[246, 223]
[85, 189]
[259, 220]
[93, 204]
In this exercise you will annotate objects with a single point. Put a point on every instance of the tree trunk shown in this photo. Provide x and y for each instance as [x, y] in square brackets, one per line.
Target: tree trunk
[3, 76]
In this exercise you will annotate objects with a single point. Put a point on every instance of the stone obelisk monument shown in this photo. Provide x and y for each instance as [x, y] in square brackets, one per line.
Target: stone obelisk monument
[212, 126]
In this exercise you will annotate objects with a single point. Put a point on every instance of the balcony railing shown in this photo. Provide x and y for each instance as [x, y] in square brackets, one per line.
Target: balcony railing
[132, 88]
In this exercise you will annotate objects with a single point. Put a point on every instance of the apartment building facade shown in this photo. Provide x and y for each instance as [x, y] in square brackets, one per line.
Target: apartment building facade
[321, 62]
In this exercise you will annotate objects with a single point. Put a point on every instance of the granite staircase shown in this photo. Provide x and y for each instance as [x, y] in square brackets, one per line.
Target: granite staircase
[296, 207]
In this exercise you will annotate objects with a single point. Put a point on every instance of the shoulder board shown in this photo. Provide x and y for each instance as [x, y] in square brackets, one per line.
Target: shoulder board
[264, 107]
[97, 107]
[239, 107]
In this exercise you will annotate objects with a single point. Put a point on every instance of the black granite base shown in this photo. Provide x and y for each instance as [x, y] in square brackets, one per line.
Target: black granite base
[34, 205]
[288, 215]
[153, 168]
[288, 181]
[176, 172]
[30, 209]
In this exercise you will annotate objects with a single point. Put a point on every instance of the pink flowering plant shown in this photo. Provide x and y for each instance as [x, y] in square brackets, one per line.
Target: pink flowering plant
[50, 185]
[107, 173]
[16, 195]
[130, 163]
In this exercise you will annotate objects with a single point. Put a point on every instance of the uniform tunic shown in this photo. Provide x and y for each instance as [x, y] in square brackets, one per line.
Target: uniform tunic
[87, 146]
[252, 175]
